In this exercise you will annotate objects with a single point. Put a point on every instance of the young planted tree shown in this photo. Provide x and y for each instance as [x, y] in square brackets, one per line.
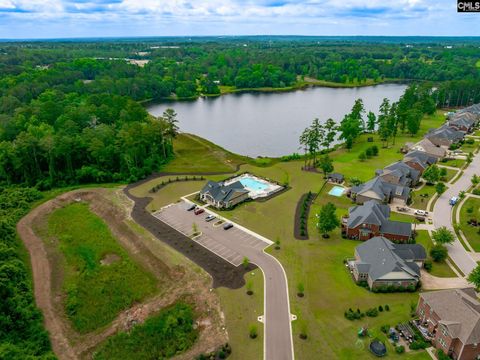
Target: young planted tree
[300, 290]
[249, 287]
[326, 164]
[245, 262]
[443, 236]
[384, 131]
[475, 179]
[327, 219]
[253, 332]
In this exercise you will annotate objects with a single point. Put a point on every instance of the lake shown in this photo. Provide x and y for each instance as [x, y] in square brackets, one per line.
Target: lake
[269, 124]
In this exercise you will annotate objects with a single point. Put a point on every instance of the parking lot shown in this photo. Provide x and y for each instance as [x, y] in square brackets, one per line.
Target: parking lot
[232, 245]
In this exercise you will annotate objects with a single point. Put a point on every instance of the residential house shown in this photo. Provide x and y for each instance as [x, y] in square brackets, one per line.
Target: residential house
[445, 136]
[372, 219]
[380, 263]
[380, 190]
[399, 173]
[474, 109]
[453, 318]
[223, 196]
[426, 146]
[463, 122]
[419, 160]
[336, 178]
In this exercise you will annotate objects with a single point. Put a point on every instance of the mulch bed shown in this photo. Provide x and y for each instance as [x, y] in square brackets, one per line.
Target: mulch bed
[298, 211]
[222, 272]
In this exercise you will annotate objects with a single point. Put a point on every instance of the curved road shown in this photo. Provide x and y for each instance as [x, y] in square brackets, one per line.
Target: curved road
[442, 216]
[242, 242]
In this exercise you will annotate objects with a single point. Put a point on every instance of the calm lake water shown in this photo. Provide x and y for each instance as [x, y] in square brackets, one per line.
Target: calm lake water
[269, 124]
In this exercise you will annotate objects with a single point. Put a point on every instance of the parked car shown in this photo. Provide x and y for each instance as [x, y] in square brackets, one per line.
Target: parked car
[210, 217]
[421, 212]
[198, 211]
[420, 218]
[227, 226]
[453, 200]
[191, 207]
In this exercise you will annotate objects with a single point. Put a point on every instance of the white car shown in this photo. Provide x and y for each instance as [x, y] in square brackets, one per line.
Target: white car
[421, 212]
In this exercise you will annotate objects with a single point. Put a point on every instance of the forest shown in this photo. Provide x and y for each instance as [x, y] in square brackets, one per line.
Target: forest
[72, 113]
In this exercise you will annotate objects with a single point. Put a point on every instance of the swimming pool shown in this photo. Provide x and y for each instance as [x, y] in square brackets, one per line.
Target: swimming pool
[253, 184]
[336, 191]
[256, 186]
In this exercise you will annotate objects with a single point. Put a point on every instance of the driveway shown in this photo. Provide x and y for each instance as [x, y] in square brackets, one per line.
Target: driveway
[234, 245]
[443, 216]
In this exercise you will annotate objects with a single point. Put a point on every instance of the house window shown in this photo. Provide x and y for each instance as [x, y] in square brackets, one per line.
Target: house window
[422, 312]
[444, 331]
[442, 342]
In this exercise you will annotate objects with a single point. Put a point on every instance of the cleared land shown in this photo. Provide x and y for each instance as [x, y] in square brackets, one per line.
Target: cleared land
[177, 278]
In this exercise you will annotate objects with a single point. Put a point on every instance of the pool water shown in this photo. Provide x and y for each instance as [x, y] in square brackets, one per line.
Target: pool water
[253, 184]
[336, 191]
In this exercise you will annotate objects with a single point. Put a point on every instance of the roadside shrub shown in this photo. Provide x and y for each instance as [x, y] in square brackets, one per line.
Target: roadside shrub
[362, 156]
[476, 191]
[387, 307]
[372, 312]
[400, 349]
[385, 328]
[253, 333]
[442, 356]
[380, 308]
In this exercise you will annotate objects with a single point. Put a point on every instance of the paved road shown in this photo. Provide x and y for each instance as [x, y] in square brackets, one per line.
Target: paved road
[228, 245]
[443, 216]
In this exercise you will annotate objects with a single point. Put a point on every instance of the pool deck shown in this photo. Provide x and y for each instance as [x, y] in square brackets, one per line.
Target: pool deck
[270, 188]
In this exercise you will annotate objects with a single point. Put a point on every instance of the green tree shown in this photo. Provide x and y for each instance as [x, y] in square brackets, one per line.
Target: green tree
[438, 252]
[431, 174]
[326, 164]
[474, 277]
[327, 219]
[475, 179]
[440, 188]
[443, 236]
[330, 127]
[371, 121]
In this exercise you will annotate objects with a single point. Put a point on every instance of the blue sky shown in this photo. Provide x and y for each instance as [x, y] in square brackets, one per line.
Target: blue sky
[107, 18]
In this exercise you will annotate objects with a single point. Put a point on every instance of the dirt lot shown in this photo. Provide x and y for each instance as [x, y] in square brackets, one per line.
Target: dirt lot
[178, 277]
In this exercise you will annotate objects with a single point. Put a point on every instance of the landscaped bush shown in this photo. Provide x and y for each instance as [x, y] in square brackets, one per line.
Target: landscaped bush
[387, 307]
[380, 308]
[442, 356]
[418, 344]
[469, 141]
[476, 191]
[291, 157]
[372, 312]
[400, 349]
[163, 183]
[385, 328]
[428, 265]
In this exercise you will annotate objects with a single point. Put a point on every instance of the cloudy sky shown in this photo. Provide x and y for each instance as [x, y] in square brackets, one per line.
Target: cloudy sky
[110, 18]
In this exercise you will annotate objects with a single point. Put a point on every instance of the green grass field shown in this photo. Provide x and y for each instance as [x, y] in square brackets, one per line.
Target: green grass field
[421, 197]
[454, 162]
[95, 292]
[162, 336]
[471, 232]
[440, 269]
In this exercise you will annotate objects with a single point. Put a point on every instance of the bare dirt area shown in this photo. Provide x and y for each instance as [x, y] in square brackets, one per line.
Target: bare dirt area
[178, 277]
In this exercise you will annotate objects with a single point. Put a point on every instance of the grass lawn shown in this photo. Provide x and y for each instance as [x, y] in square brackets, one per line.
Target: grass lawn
[421, 197]
[469, 147]
[471, 232]
[95, 293]
[453, 162]
[440, 269]
[401, 217]
[241, 312]
[450, 175]
[162, 336]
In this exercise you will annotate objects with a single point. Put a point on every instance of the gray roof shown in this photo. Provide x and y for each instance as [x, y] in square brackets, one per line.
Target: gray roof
[383, 189]
[462, 121]
[402, 171]
[371, 212]
[459, 311]
[428, 147]
[474, 109]
[421, 158]
[336, 176]
[445, 132]
[385, 257]
[221, 192]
